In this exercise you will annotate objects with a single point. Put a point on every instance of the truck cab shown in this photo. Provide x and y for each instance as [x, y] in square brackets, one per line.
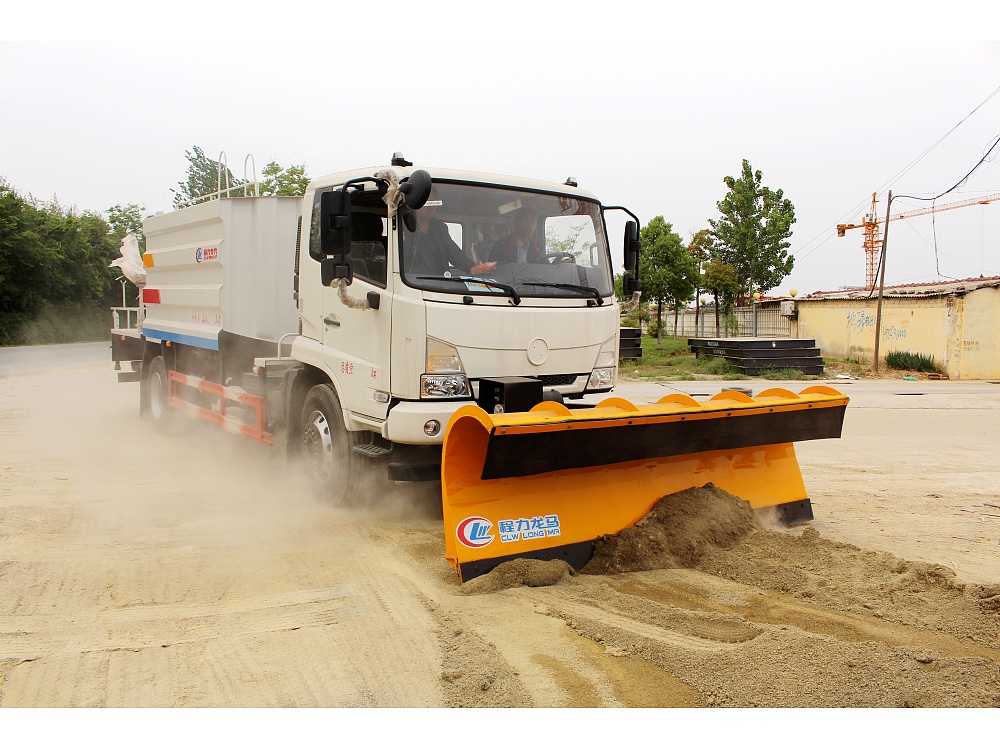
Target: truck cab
[408, 332]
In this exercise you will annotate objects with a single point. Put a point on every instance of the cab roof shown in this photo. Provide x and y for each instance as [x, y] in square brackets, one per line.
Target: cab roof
[457, 175]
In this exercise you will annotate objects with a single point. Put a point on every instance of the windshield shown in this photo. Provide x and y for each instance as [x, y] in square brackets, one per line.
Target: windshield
[472, 239]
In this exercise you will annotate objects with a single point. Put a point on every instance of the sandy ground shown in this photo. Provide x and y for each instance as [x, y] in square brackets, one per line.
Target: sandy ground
[138, 569]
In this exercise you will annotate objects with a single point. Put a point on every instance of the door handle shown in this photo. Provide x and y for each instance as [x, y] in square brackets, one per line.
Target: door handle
[332, 320]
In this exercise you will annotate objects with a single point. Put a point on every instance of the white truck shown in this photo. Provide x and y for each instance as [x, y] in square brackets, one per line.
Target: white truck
[376, 352]
[431, 324]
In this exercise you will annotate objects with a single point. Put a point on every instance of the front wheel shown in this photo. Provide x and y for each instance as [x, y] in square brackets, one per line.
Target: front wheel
[330, 462]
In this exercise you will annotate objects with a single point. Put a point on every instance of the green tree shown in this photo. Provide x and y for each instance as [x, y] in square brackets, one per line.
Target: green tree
[122, 220]
[205, 177]
[55, 284]
[701, 248]
[21, 263]
[667, 271]
[722, 281]
[280, 181]
[125, 219]
[753, 231]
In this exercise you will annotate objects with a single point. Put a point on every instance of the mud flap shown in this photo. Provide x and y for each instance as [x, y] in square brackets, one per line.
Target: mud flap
[547, 483]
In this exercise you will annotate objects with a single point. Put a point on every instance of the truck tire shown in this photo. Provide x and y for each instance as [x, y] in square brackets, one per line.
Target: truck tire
[331, 465]
[157, 388]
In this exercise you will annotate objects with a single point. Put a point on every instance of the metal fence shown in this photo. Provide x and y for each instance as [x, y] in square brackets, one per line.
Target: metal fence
[763, 320]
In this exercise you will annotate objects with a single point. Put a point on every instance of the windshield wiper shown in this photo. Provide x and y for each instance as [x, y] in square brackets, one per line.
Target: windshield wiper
[573, 287]
[470, 280]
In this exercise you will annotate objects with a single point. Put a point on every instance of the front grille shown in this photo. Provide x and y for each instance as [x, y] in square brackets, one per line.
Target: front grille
[548, 381]
[552, 380]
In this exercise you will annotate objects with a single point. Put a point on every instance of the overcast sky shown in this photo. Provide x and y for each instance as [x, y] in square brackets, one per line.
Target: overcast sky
[645, 107]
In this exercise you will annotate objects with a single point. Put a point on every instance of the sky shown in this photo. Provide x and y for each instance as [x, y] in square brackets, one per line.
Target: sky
[646, 106]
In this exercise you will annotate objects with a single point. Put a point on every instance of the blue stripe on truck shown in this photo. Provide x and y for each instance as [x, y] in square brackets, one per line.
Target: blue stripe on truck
[180, 338]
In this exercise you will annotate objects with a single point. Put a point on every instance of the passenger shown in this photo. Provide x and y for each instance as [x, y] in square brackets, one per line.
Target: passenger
[520, 246]
[430, 249]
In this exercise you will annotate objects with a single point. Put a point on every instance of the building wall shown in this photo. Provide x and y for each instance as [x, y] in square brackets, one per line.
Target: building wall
[961, 333]
[977, 347]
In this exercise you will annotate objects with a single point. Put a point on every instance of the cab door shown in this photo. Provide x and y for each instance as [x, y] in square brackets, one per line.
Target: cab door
[357, 317]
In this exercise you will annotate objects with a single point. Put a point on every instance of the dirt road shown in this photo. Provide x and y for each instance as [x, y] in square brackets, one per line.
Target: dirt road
[138, 569]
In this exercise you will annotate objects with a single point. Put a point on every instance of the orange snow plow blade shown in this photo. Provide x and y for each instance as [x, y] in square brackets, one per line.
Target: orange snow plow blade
[547, 483]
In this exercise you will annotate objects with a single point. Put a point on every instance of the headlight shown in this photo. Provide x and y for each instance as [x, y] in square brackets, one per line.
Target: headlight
[444, 386]
[602, 377]
[603, 374]
[445, 375]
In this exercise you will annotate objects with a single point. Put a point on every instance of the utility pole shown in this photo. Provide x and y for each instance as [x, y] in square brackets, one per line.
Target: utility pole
[881, 281]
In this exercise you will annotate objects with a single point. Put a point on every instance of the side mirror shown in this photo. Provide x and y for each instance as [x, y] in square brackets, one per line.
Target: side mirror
[335, 222]
[632, 247]
[416, 189]
[409, 220]
[335, 236]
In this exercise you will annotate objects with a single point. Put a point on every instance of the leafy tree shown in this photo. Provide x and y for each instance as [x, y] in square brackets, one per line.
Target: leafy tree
[280, 181]
[205, 177]
[125, 219]
[53, 266]
[753, 232]
[701, 248]
[21, 261]
[722, 281]
[668, 273]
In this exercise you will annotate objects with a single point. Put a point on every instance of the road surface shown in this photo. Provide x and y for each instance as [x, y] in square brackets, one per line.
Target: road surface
[138, 569]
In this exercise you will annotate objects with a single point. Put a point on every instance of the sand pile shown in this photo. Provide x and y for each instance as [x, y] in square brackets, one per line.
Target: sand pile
[676, 533]
[519, 573]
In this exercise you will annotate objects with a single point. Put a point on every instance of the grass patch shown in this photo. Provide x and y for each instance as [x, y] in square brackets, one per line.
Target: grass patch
[675, 361]
[771, 373]
[910, 361]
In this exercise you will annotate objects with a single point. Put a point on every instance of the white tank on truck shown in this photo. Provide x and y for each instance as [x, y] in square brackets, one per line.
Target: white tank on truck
[430, 324]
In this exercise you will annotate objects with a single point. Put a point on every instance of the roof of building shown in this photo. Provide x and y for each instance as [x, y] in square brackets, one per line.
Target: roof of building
[920, 289]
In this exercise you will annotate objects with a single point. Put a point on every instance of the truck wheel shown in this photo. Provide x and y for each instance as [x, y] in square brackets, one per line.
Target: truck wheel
[330, 464]
[157, 386]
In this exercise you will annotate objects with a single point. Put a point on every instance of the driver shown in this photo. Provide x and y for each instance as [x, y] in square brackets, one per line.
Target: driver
[520, 246]
[431, 249]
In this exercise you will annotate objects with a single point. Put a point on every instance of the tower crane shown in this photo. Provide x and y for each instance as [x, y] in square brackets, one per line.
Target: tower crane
[873, 231]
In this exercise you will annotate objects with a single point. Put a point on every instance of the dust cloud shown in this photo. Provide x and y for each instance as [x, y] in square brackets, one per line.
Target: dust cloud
[192, 492]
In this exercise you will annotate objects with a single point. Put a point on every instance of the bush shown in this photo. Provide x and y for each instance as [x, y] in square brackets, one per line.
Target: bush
[909, 361]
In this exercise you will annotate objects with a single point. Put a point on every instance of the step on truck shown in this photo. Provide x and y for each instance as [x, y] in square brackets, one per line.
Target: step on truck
[399, 324]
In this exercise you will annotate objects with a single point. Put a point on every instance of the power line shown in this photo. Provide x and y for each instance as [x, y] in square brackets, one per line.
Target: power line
[938, 141]
[853, 211]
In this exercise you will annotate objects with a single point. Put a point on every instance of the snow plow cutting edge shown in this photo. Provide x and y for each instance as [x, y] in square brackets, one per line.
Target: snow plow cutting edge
[547, 483]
